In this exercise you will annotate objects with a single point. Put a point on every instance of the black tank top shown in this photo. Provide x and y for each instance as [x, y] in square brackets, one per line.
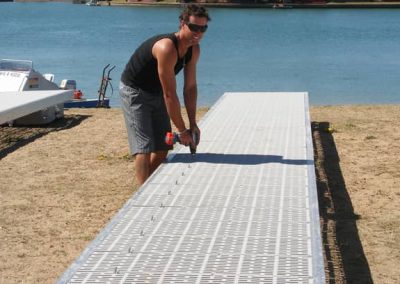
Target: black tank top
[141, 69]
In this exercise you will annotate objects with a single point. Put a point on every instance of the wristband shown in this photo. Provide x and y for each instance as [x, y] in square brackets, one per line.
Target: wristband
[184, 131]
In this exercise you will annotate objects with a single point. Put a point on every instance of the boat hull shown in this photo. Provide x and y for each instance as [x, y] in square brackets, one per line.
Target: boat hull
[88, 103]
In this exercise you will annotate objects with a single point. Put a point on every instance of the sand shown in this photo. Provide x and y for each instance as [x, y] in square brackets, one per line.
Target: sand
[60, 185]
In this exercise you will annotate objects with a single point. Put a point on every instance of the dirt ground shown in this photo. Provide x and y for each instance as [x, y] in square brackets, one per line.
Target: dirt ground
[60, 184]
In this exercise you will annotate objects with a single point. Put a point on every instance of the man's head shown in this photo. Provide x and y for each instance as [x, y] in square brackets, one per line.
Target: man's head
[193, 22]
[193, 10]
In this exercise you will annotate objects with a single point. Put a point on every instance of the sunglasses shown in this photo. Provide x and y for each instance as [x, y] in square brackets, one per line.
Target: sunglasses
[196, 28]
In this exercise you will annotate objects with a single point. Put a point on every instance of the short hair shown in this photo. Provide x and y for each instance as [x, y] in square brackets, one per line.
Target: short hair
[193, 10]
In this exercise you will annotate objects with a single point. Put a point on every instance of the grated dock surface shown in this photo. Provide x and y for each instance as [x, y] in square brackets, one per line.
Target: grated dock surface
[243, 210]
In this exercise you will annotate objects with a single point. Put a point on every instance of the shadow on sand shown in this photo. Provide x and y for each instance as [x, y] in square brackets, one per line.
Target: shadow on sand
[345, 261]
[13, 138]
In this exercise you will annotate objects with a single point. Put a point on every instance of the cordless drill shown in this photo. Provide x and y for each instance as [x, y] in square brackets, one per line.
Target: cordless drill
[171, 138]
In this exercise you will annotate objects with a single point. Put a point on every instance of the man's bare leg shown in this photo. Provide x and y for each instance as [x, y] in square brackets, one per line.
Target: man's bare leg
[156, 159]
[146, 164]
[142, 167]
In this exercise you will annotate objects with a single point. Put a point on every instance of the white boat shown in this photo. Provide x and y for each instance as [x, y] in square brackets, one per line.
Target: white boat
[19, 76]
[92, 3]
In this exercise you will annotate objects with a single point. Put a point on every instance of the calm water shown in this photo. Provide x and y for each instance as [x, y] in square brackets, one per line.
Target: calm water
[338, 56]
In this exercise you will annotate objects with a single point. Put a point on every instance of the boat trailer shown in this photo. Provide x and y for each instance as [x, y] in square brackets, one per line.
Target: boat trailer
[105, 80]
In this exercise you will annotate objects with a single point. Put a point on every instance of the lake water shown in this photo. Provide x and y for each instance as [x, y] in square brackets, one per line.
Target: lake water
[339, 56]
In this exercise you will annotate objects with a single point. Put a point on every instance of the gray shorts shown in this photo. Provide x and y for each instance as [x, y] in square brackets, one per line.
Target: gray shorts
[146, 119]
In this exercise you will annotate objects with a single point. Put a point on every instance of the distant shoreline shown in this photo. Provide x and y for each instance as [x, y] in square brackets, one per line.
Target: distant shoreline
[321, 5]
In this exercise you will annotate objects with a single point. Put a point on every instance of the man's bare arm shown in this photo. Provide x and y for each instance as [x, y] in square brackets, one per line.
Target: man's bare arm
[190, 86]
[165, 52]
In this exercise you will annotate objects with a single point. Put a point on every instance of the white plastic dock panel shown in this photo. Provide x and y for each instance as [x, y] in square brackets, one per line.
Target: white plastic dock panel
[14, 105]
[243, 210]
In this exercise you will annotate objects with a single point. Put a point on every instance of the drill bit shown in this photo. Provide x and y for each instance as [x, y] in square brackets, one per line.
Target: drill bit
[195, 138]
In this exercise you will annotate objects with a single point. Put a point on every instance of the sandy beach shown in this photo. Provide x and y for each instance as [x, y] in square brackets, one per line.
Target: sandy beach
[60, 184]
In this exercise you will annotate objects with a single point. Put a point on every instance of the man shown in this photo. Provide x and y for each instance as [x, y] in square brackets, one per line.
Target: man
[148, 91]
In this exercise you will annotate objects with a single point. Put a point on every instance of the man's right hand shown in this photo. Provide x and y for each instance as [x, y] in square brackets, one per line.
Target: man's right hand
[185, 138]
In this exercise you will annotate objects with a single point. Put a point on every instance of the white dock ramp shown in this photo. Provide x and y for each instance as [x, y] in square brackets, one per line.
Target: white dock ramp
[14, 105]
[243, 210]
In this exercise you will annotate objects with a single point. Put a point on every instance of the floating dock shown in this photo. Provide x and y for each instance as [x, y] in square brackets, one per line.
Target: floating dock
[244, 209]
[14, 105]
